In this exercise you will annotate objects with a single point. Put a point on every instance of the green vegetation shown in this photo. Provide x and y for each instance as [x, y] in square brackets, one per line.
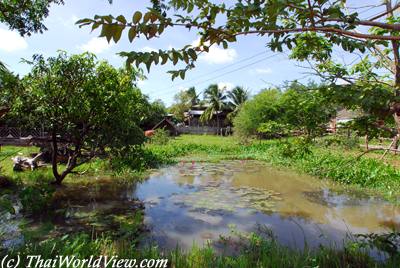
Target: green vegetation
[251, 250]
[322, 158]
[95, 115]
[272, 113]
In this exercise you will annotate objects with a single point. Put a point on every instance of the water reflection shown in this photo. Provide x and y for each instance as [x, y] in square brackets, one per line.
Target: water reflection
[193, 203]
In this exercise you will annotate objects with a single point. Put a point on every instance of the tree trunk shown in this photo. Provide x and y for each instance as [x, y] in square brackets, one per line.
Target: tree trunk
[54, 160]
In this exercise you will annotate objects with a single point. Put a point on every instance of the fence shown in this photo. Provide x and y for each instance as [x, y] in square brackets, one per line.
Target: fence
[16, 133]
[204, 130]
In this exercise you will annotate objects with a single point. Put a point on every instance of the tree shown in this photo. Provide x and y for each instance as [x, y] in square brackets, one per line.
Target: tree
[216, 101]
[85, 105]
[10, 88]
[193, 96]
[183, 101]
[154, 113]
[237, 97]
[26, 16]
[262, 108]
[310, 28]
[305, 109]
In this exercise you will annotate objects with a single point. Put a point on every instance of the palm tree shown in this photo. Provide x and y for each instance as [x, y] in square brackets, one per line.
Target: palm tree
[3, 68]
[237, 97]
[216, 100]
[193, 96]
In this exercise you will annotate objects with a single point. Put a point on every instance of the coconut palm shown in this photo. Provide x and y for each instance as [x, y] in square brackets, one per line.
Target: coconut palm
[216, 100]
[237, 97]
[3, 68]
[193, 96]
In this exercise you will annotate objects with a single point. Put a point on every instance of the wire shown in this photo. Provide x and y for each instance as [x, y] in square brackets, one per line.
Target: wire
[224, 74]
[211, 72]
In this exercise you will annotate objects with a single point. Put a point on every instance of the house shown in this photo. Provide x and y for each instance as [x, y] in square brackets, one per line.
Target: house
[193, 117]
[342, 117]
[168, 125]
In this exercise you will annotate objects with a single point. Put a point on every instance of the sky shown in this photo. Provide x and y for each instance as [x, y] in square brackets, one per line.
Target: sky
[248, 63]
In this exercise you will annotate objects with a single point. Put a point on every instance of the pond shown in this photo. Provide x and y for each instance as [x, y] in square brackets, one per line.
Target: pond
[197, 202]
[194, 203]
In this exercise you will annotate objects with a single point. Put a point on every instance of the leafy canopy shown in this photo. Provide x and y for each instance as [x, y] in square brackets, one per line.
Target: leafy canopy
[85, 105]
[26, 16]
[309, 27]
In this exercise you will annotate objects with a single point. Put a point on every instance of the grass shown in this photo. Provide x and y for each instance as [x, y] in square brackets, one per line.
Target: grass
[240, 250]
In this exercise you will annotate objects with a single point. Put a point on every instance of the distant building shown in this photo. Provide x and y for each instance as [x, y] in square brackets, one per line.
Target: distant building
[342, 117]
[193, 117]
[168, 125]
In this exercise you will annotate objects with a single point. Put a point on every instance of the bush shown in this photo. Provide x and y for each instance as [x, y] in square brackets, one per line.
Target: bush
[262, 108]
[342, 141]
[160, 137]
[297, 148]
[36, 199]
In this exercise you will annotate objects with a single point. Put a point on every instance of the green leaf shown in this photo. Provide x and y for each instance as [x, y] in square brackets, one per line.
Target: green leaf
[192, 53]
[182, 74]
[137, 17]
[132, 34]
[121, 19]
[146, 17]
[117, 32]
[164, 58]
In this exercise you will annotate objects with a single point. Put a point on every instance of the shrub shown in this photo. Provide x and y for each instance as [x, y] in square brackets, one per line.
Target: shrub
[160, 137]
[297, 148]
[36, 199]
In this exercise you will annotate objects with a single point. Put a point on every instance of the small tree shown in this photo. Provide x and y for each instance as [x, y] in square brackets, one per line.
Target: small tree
[183, 101]
[262, 108]
[216, 100]
[304, 108]
[237, 97]
[86, 106]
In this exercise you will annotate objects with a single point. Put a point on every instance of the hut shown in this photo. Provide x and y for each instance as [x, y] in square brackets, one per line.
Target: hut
[168, 125]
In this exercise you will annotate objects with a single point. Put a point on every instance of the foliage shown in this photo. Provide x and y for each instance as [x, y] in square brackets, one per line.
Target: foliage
[183, 101]
[261, 109]
[252, 250]
[85, 105]
[6, 204]
[237, 97]
[297, 148]
[36, 199]
[346, 142]
[216, 101]
[152, 113]
[272, 129]
[315, 25]
[305, 108]
[160, 137]
[26, 16]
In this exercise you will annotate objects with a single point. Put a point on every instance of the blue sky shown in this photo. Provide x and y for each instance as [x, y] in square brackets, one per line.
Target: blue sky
[246, 63]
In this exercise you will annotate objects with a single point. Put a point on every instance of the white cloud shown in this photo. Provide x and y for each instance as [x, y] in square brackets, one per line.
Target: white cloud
[11, 41]
[217, 55]
[96, 45]
[225, 86]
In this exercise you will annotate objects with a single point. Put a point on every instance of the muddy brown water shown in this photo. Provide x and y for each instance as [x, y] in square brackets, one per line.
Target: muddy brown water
[194, 203]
